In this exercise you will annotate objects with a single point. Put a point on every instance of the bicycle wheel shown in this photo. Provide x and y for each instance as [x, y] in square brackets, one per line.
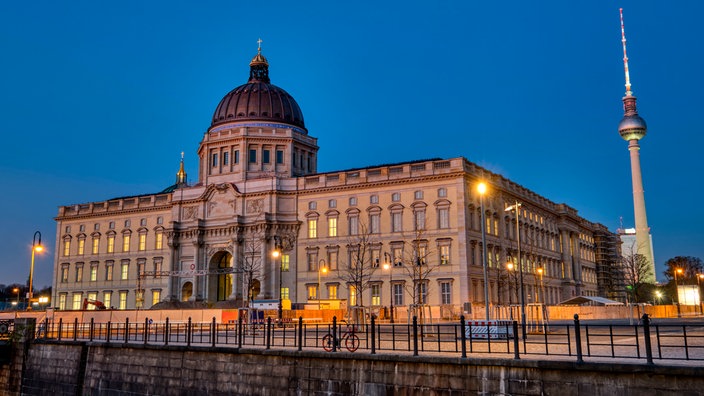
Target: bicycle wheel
[327, 342]
[352, 342]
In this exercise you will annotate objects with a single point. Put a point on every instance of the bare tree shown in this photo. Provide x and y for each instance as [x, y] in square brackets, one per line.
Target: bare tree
[360, 266]
[636, 272]
[418, 266]
[251, 263]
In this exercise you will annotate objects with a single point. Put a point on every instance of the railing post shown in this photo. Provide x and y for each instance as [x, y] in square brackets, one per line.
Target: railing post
[90, 332]
[127, 329]
[300, 333]
[166, 332]
[415, 335]
[578, 339]
[646, 334]
[516, 354]
[75, 329]
[61, 325]
[213, 332]
[239, 330]
[268, 333]
[373, 335]
[46, 327]
[107, 336]
[334, 333]
[146, 330]
[463, 337]
[188, 332]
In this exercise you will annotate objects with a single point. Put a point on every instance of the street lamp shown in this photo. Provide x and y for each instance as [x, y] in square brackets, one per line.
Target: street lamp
[540, 290]
[36, 247]
[388, 266]
[510, 266]
[321, 269]
[678, 271]
[481, 188]
[516, 208]
[277, 254]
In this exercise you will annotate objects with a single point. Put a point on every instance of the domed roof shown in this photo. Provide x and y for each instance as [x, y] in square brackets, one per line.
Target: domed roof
[258, 100]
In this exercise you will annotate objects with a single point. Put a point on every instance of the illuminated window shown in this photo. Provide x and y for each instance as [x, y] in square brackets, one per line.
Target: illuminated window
[124, 270]
[79, 272]
[126, 242]
[81, 246]
[285, 293]
[107, 298]
[62, 301]
[77, 301]
[93, 272]
[142, 242]
[312, 292]
[353, 296]
[108, 270]
[285, 262]
[159, 240]
[64, 273]
[332, 292]
[332, 227]
[376, 294]
[92, 296]
[96, 244]
[444, 254]
[123, 300]
[312, 228]
[111, 243]
[67, 247]
[156, 294]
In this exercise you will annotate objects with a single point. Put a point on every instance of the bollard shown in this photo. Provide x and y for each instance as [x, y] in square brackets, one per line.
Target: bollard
[646, 335]
[415, 336]
[166, 332]
[578, 339]
[267, 334]
[107, 339]
[239, 331]
[373, 335]
[515, 340]
[463, 337]
[90, 331]
[75, 329]
[213, 333]
[334, 333]
[188, 332]
[300, 333]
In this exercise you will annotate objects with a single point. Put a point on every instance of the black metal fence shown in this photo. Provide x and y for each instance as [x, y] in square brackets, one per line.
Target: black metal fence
[575, 340]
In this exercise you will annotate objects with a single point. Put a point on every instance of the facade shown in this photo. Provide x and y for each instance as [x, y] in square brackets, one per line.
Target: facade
[408, 231]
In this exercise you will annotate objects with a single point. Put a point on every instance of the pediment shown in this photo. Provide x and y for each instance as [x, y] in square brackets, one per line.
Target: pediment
[221, 200]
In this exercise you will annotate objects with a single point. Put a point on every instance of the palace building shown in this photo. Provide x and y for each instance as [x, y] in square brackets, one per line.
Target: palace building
[393, 234]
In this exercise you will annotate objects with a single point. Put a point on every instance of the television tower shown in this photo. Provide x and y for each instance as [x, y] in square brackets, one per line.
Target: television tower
[632, 128]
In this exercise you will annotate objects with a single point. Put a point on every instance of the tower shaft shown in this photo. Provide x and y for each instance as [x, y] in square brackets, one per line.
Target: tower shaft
[642, 230]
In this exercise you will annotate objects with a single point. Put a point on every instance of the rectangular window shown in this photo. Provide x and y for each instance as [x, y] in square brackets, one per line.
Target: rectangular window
[141, 264]
[215, 160]
[252, 156]
[67, 247]
[332, 227]
[332, 292]
[124, 271]
[123, 300]
[353, 201]
[398, 294]
[376, 254]
[92, 296]
[142, 242]
[159, 241]
[353, 296]
[332, 260]
[285, 293]
[423, 292]
[354, 225]
[157, 266]
[77, 301]
[312, 261]
[376, 294]
[226, 158]
[285, 262]
[418, 195]
[279, 156]
[156, 295]
[79, 273]
[96, 244]
[237, 157]
[397, 256]
[445, 293]
[111, 243]
[312, 292]
[420, 220]
[62, 301]
[443, 218]
[107, 298]
[64, 274]
[93, 273]
[266, 156]
[81, 246]
[108, 270]
[375, 221]
[374, 199]
[444, 254]
[396, 225]
[312, 228]
[126, 243]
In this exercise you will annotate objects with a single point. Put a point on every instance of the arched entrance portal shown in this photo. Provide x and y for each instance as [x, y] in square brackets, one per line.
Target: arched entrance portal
[186, 291]
[222, 282]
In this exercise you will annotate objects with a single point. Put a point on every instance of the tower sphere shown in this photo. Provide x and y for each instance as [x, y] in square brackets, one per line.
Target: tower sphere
[632, 127]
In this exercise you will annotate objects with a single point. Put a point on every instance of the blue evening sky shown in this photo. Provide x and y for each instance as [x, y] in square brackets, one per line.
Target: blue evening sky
[100, 98]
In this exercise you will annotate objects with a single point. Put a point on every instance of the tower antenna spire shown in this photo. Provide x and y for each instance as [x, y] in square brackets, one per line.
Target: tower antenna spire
[625, 57]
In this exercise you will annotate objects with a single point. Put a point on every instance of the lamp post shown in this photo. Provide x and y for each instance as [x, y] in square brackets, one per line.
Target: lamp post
[277, 254]
[36, 247]
[515, 207]
[510, 267]
[481, 188]
[388, 266]
[321, 269]
[540, 290]
[678, 271]
[17, 290]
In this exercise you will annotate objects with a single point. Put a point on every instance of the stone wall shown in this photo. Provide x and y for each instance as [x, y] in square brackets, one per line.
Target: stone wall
[117, 369]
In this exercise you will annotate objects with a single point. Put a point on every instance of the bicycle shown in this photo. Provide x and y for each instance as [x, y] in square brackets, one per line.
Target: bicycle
[349, 337]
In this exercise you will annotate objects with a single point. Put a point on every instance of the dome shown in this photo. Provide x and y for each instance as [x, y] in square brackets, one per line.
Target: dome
[632, 127]
[258, 100]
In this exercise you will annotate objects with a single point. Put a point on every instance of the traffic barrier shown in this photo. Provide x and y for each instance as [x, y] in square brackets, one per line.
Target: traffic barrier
[494, 329]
